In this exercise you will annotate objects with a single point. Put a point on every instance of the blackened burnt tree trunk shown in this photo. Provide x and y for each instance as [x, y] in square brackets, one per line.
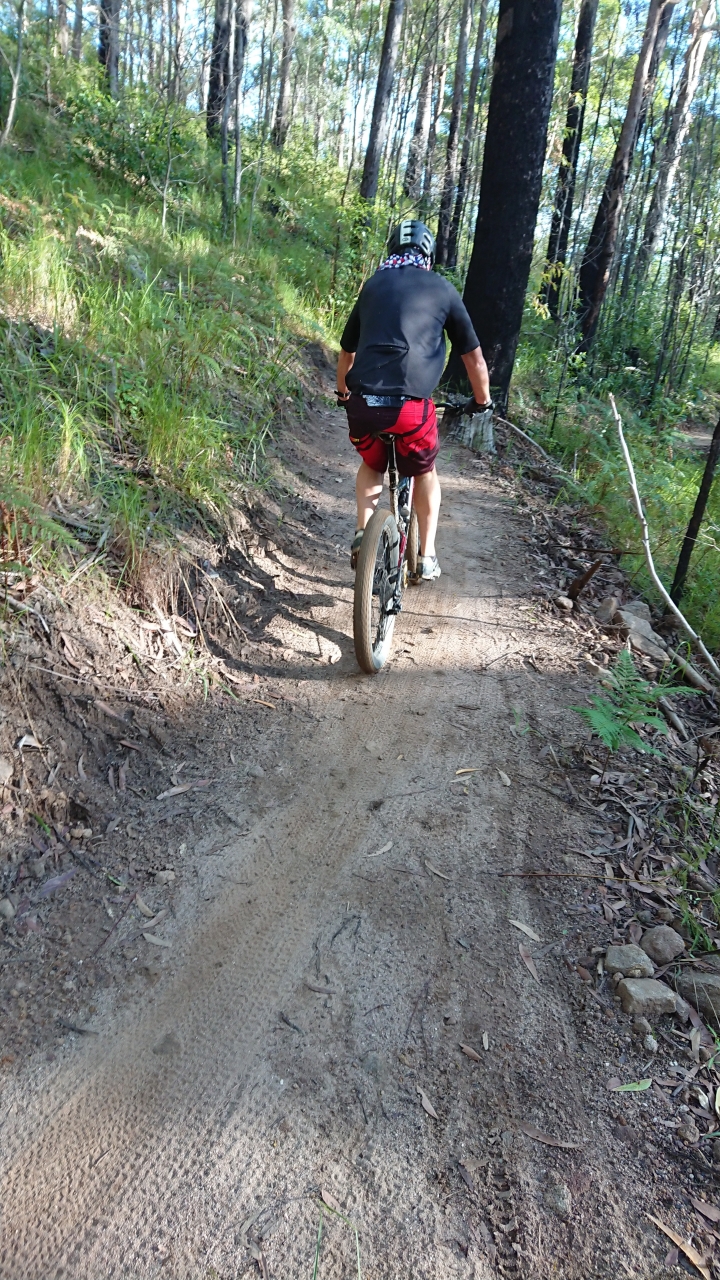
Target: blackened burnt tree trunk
[600, 251]
[421, 133]
[219, 69]
[378, 127]
[515, 141]
[109, 43]
[696, 519]
[567, 173]
[451, 155]
[468, 139]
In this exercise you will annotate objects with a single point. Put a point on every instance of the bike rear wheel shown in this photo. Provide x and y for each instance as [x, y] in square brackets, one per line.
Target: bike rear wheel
[375, 581]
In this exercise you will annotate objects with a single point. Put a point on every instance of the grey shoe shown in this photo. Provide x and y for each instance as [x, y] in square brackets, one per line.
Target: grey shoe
[429, 569]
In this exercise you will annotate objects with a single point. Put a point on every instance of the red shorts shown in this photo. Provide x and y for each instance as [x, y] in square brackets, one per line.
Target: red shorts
[414, 424]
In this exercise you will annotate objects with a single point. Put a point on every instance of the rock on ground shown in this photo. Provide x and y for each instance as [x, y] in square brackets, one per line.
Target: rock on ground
[630, 960]
[606, 610]
[703, 991]
[647, 998]
[662, 944]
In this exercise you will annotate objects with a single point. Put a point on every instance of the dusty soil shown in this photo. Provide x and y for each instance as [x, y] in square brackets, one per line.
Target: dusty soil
[339, 924]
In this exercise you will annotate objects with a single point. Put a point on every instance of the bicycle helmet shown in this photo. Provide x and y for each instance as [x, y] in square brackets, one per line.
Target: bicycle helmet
[411, 234]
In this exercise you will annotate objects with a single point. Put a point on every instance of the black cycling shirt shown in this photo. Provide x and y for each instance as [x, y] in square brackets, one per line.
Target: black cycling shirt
[396, 329]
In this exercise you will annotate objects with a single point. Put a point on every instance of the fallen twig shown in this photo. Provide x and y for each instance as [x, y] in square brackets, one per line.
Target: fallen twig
[648, 553]
[534, 445]
[673, 718]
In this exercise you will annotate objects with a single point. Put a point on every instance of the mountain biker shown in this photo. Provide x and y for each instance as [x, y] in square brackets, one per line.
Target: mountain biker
[391, 359]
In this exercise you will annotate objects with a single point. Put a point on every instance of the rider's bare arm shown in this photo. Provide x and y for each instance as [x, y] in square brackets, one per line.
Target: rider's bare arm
[477, 372]
[345, 363]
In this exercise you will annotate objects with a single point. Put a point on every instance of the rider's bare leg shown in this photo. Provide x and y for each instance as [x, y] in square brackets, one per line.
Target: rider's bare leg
[368, 487]
[426, 501]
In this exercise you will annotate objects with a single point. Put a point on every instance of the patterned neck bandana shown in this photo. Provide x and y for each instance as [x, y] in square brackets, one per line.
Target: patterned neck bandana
[411, 258]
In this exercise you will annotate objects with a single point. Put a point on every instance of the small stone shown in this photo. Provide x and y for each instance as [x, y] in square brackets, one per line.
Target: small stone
[689, 1133]
[36, 867]
[646, 997]
[651, 1044]
[7, 910]
[558, 1199]
[164, 877]
[703, 992]
[564, 603]
[639, 608]
[683, 1009]
[256, 771]
[606, 610]
[641, 1027]
[629, 960]
[662, 944]
[6, 770]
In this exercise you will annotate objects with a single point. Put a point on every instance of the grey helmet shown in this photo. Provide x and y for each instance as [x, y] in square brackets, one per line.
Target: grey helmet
[411, 234]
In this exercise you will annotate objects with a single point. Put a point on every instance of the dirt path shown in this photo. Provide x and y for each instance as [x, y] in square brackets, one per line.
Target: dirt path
[328, 962]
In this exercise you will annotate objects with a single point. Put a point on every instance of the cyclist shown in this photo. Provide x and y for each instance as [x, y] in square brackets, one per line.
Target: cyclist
[391, 359]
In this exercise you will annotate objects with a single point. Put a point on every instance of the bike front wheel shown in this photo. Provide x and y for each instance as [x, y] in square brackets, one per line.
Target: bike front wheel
[375, 583]
[412, 552]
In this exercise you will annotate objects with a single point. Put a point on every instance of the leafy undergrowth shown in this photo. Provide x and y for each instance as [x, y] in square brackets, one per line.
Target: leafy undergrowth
[568, 413]
[141, 368]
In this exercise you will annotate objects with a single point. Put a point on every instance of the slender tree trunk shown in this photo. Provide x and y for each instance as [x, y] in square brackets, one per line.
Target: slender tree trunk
[679, 125]
[242, 27]
[230, 87]
[600, 250]
[567, 174]
[63, 34]
[468, 137]
[451, 158]
[219, 56]
[150, 40]
[515, 142]
[378, 127]
[696, 518]
[15, 72]
[439, 81]
[421, 132]
[77, 31]
[179, 52]
[109, 43]
[282, 114]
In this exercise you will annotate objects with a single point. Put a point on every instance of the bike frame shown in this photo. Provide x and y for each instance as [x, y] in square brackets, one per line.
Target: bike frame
[403, 525]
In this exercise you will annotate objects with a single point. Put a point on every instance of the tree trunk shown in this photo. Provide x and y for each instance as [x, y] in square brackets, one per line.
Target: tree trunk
[439, 79]
[421, 133]
[515, 141]
[679, 125]
[63, 34]
[468, 137]
[219, 56]
[378, 127]
[693, 528]
[600, 250]
[242, 26]
[567, 173]
[109, 43]
[77, 31]
[282, 115]
[225, 118]
[14, 76]
[451, 158]
[179, 52]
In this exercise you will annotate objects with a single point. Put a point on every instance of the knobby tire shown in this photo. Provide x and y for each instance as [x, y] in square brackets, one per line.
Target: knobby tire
[374, 581]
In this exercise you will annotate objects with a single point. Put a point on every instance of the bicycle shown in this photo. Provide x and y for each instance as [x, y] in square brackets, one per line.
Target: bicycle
[387, 562]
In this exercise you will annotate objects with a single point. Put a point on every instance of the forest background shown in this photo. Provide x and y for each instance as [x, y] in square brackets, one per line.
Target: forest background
[189, 194]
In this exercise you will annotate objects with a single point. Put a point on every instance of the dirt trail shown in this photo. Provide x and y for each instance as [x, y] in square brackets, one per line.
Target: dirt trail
[193, 1136]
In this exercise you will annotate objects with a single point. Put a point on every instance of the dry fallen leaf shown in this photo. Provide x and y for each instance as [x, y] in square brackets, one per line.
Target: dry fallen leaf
[385, 849]
[486, 1040]
[427, 1104]
[81, 772]
[459, 771]
[322, 991]
[175, 791]
[261, 703]
[526, 929]
[690, 1253]
[122, 778]
[470, 1052]
[435, 871]
[155, 920]
[29, 740]
[143, 907]
[709, 1211]
[331, 1202]
[635, 931]
[527, 957]
[549, 1141]
[133, 746]
[159, 942]
[504, 778]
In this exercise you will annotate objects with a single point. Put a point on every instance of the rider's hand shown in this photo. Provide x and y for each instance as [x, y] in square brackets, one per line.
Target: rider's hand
[471, 407]
[342, 398]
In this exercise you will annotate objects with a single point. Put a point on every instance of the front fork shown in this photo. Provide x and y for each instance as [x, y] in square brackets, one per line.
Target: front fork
[401, 493]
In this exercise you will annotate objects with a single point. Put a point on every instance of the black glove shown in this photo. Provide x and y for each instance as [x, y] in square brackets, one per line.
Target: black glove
[471, 407]
[341, 399]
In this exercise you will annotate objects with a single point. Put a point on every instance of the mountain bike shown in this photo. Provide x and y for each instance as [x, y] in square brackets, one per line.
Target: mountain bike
[388, 558]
